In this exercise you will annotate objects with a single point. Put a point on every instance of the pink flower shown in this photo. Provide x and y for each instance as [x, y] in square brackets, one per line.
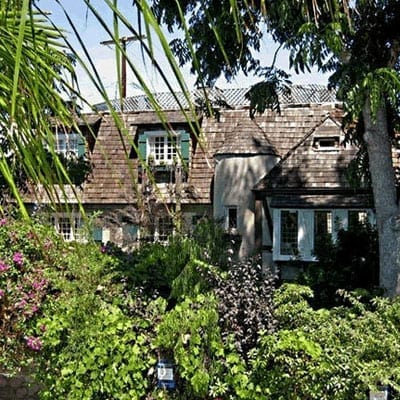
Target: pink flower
[21, 304]
[34, 343]
[1, 293]
[35, 308]
[4, 267]
[18, 258]
[3, 221]
[38, 285]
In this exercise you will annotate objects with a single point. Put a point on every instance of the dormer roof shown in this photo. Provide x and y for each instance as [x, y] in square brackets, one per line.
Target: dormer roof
[318, 160]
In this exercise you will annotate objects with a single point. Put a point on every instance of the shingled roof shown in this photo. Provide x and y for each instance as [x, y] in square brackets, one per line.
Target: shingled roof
[247, 137]
[308, 176]
[299, 94]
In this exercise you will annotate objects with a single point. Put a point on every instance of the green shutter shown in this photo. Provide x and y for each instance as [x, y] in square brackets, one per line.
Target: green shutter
[81, 146]
[98, 234]
[142, 144]
[185, 147]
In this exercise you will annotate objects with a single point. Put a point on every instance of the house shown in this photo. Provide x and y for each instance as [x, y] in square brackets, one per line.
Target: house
[276, 181]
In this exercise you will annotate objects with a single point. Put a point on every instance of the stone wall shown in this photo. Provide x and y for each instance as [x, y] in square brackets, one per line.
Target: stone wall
[17, 388]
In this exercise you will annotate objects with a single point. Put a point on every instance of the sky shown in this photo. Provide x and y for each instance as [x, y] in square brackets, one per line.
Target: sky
[103, 56]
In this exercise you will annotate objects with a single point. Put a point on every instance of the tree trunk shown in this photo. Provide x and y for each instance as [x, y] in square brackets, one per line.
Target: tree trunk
[385, 197]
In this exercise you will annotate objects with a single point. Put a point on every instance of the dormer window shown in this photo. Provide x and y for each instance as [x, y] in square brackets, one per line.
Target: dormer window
[162, 149]
[327, 143]
[167, 153]
[69, 144]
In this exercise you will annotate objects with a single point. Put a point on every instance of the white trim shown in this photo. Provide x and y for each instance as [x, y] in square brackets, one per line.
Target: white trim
[305, 235]
[70, 143]
[68, 225]
[151, 137]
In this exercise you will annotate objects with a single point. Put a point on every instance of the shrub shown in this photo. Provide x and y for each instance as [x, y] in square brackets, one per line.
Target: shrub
[97, 334]
[352, 262]
[245, 303]
[26, 253]
[339, 353]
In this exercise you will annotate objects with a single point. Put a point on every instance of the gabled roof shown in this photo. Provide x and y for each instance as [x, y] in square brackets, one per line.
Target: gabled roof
[306, 167]
[246, 138]
[299, 94]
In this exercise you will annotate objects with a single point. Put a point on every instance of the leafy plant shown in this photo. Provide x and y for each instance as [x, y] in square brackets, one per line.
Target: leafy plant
[245, 303]
[351, 262]
[26, 252]
[339, 353]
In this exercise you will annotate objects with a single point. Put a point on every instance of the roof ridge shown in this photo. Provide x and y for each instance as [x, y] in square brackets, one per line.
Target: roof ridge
[299, 94]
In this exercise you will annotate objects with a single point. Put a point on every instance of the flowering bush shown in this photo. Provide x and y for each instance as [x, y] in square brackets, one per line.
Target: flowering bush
[25, 257]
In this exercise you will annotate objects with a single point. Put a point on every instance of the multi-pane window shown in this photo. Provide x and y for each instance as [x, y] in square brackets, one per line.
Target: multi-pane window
[67, 143]
[167, 153]
[289, 231]
[163, 149]
[67, 226]
[165, 228]
[300, 232]
[322, 223]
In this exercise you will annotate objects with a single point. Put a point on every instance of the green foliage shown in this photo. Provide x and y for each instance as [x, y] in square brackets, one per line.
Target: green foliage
[206, 364]
[351, 262]
[190, 332]
[77, 168]
[96, 335]
[26, 252]
[211, 243]
[154, 266]
[336, 354]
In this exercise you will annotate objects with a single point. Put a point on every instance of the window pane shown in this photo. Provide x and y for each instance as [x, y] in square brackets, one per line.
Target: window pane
[158, 148]
[357, 217]
[162, 148]
[289, 231]
[67, 143]
[170, 149]
[322, 223]
[64, 226]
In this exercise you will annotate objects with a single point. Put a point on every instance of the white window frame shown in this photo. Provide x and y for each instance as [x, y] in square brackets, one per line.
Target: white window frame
[318, 139]
[67, 144]
[168, 146]
[306, 229]
[73, 232]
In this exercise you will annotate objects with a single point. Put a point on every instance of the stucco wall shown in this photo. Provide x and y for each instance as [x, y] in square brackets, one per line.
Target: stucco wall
[235, 177]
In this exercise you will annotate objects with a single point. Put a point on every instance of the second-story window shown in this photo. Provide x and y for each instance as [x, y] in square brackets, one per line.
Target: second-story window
[162, 149]
[167, 153]
[68, 144]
